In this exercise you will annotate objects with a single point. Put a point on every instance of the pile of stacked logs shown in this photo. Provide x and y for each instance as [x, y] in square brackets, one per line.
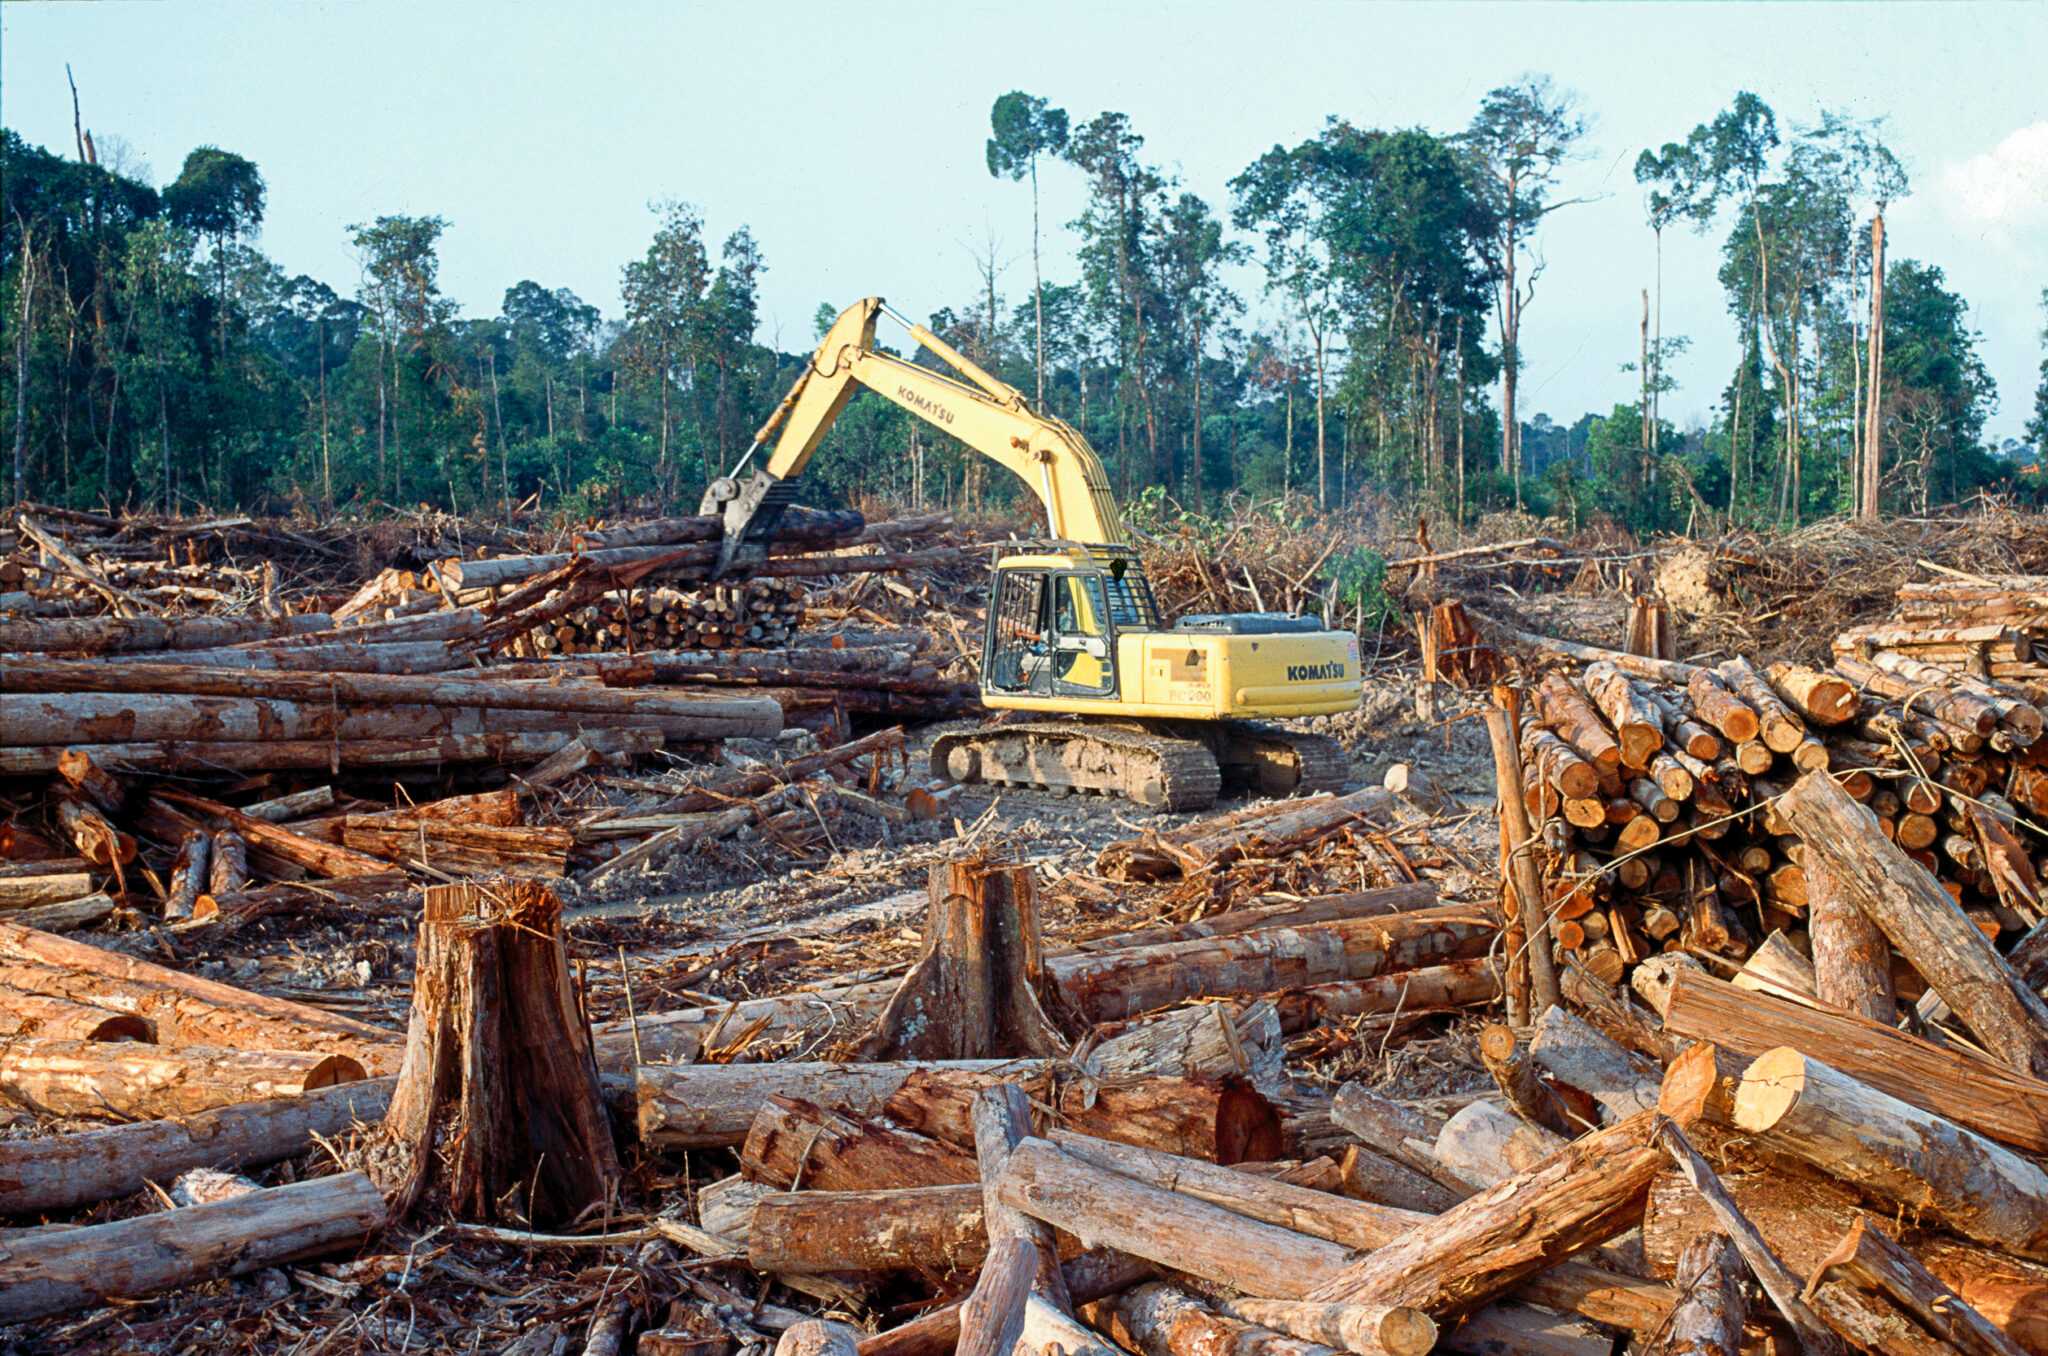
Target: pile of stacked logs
[1654, 786]
[759, 615]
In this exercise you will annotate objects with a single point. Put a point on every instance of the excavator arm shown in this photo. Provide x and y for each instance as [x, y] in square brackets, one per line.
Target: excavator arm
[985, 413]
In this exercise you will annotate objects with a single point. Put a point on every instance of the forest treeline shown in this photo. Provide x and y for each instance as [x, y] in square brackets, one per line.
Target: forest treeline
[156, 357]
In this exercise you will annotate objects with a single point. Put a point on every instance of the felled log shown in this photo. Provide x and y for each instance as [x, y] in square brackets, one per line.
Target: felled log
[934, 1333]
[498, 1051]
[1796, 1105]
[1629, 714]
[321, 858]
[1022, 1258]
[1163, 1226]
[1290, 826]
[130, 1080]
[1851, 958]
[792, 1140]
[1108, 985]
[92, 781]
[1777, 1282]
[1429, 988]
[530, 851]
[67, 915]
[50, 1271]
[1708, 1321]
[701, 1106]
[1483, 1246]
[59, 1172]
[795, 524]
[1400, 1132]
[1345, 1327]
[681, 1035]
[1211, 1040]
[185, 1009]
[229, 873]
[1922, 921]
[1822, 697]
[20, 892]
[1573, 717]
[929, 1230]
[1159, 1320]
[1402, 898]
[1869, 1260]
[1371, 1176]
[112, 635]
[1717, 704]
[1361, 1226]
[1484, 1143]
[1217, 1120]
[1962, 1086]
[96, 840]
[1803, 1219]
[1518, 868]
[1574, 1053]
[26, 1014]
[188, 874]
[696, 717]
[973, 992]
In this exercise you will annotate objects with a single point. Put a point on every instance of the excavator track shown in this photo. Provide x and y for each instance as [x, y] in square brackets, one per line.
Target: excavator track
[1282, 762]
[1159, 771]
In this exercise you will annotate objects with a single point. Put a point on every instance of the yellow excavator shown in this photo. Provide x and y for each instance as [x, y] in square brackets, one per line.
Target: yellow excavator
[1128, 705]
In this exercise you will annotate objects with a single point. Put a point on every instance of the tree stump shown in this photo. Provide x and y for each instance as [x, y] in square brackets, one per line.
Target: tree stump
[497, 1110]
[973, 993]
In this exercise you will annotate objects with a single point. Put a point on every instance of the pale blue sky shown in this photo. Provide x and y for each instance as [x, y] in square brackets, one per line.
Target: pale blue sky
[849, 137]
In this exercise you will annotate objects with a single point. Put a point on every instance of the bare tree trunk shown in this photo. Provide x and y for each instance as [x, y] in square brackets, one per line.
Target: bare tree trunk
[1322, 446]
[1643, 413]
[1460, 343]
[1037, 287]
[1873, 441]
[28, 273]
[326, 460]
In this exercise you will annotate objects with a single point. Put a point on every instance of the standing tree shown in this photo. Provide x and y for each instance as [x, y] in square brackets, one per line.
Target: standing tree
[401, 288]
[1192, 254]
[1024, 127]
[1275, 195]
[219, 195]
[664, 293]
[1119, 230]
[1520, 140]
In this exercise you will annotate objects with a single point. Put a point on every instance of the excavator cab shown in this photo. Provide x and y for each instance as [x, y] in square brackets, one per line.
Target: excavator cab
[1053, 626]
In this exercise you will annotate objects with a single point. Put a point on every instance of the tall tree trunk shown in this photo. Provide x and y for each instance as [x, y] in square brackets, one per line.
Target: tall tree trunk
[1322, 446]
[1037, 287]
[1643, 400]
[1510, 326]
[1195, 443]
[498, 416]
[28, 274]
[1459, 341]
[326, 459]
[1873, 441]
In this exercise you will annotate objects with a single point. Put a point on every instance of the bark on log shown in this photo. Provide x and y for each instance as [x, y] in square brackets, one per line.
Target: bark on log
[1211, 1039]
[1110, 1210]
[1777, 1281]
[1484, 1144]
[96, 840]
[703, 1106]
[21, 892]
[188, 874]
[127, 1080]
[703, 717]
[1518, 1079]
[1431, 988]
[1518, 865]
[934, 1231]
[1721, 708]
[973, 993]
[61, 1172]
[1780, 730]
[532, 852]
[1967, 1088]
[1822, 697]
[1803, 1219]
[1632, 718]
[1369, 1176]
[1345, 1327]
[185, 1009]
[321, 858]
[1796, 1105]
[1852, 966]
[229, 873]
[497, 1056]
[1021, 1256]
[50, 1271]
[812, 1337]
[793, 1142]
[1302, 824]
[1401, 1133]
[1254, 917]
[1087, 1277]
[115, 635]
[25, 1014]
[1577, 1055]
[1217, 1120]
[1578, 1287]
[1569, 713]
[1485, 1245]
[681, 1035]
[1708, 1321]
[1871, 1261]
[319, 755]
[1922, 921]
